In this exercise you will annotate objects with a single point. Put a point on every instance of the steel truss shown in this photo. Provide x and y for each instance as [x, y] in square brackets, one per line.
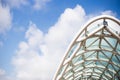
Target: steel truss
[94, 54]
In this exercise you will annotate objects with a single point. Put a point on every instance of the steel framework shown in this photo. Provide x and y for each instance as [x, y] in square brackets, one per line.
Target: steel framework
[94, 54]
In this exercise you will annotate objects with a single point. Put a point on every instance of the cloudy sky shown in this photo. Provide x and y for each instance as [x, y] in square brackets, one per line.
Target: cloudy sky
[34, 34]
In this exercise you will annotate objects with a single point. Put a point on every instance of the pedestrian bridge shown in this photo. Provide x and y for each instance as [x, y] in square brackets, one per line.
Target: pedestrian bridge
[94, 54]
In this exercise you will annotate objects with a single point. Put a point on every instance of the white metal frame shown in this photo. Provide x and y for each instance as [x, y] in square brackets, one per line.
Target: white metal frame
[94, 54]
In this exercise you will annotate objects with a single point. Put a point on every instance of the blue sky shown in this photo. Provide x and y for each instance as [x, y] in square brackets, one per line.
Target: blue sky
[36, 25]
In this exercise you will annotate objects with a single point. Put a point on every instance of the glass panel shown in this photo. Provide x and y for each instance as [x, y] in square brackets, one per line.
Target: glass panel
[72, 50]
[92, 42]
[68, 74]
[77, 59]
[112, 41]
[89, 54]
[115, 60]
[68, 68]
[118, 48]
[105, 45]
[102, 56]
[78, 68]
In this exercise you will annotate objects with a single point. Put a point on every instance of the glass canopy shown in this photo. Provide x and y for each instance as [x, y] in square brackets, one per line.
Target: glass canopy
[94, 54]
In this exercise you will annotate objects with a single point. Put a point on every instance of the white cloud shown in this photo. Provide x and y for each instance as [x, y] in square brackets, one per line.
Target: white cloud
[19, 29]
[35, 4]
[17, 3]
[5, 19]
[108, 12]
[3, 75]
[38, 4]
[2, 72]
[38, 57]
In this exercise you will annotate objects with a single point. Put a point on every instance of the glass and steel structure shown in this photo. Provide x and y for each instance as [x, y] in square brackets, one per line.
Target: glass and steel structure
[94, 54]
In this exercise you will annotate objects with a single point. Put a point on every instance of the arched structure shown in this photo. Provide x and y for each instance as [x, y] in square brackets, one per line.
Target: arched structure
[94, 54]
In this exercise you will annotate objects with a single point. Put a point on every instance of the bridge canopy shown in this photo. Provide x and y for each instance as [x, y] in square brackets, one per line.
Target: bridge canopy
[94, 54]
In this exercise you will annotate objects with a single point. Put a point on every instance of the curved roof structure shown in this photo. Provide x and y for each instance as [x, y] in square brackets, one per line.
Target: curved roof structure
[94, 54]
